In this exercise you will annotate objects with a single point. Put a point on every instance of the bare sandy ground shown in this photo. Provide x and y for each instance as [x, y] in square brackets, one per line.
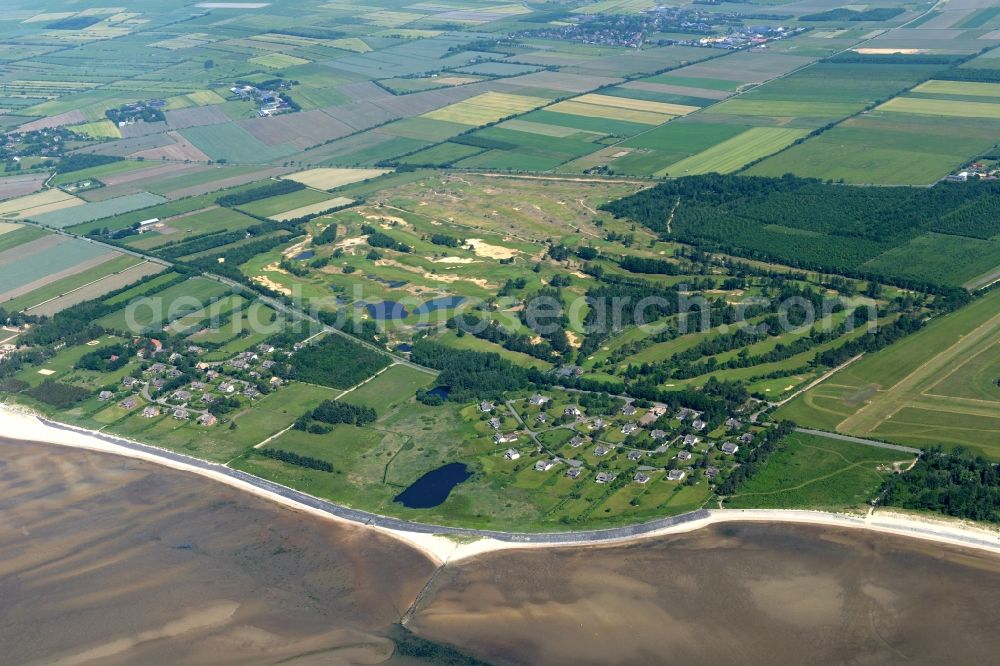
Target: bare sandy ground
[20, 424]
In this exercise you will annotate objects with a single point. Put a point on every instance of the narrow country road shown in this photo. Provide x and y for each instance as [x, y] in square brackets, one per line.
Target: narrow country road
[859, 440]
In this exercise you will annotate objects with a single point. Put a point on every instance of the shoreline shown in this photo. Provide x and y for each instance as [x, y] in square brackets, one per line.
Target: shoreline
[448, 544]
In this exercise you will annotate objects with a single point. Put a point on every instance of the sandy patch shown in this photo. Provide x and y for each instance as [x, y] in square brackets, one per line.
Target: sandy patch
[483, 249]
[271, 284]
[386, 220]
[46, 372]
[395, 264]
[479, 282]
[351, 242]
[454, 260]
[574, 339]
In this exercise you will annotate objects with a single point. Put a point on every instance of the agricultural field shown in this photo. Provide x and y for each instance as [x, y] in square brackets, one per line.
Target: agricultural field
[40, 262]
[887, 148]
[162, 307]
[40, 203]
[284, 202]
[82, 286]
[734, 153]
[198, 222]
[331, 179]
[486, 108]
[935, 387]
[68, 216]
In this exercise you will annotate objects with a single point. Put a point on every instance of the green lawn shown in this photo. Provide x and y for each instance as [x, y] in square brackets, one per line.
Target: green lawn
[395, 385]
[812, 472]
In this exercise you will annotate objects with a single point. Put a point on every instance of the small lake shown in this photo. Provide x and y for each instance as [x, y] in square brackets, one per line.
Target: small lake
[442, 303]
[386, 310]
[440, 391]
[308, 254]
[433, 488]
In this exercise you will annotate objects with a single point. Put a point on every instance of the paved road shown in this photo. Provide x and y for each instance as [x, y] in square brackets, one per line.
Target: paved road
[859, 440]
[367, 518]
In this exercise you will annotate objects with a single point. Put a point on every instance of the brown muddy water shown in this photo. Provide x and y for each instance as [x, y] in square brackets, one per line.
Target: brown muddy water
[106, 560]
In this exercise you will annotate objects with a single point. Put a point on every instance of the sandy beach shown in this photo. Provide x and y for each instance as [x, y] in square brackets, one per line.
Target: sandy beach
[18, 423]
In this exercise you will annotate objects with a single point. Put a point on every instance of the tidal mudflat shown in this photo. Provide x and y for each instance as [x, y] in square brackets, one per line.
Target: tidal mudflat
[110, 560]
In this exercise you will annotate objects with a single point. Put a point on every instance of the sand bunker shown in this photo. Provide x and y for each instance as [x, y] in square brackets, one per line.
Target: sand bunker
[382, 219]
[265, 281]
[483, 249]
[454, 260]
[349, 243]
[479, 282]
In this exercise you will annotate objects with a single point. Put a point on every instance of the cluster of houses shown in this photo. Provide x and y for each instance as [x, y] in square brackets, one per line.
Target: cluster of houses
[692, 427]
[243, 375]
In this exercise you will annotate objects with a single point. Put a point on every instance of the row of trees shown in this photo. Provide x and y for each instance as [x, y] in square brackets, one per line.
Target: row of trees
[296, 459]
[272, 189]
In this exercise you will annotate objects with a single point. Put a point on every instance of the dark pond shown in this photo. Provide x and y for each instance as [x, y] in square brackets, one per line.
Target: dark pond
[442, 303]
[440, 391]
[433, 488]
[308, 254]
[386, 310]
[404, 348]
[392, 284]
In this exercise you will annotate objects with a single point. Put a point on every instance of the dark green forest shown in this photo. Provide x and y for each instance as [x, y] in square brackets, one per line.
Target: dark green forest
[958, 483]
[337, 362]
[810, 224]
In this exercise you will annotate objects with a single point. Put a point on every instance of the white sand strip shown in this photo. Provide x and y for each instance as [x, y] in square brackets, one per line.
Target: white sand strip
[18, 423]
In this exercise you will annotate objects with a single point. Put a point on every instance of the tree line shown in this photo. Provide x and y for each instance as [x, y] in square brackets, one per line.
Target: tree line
[296, 459]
